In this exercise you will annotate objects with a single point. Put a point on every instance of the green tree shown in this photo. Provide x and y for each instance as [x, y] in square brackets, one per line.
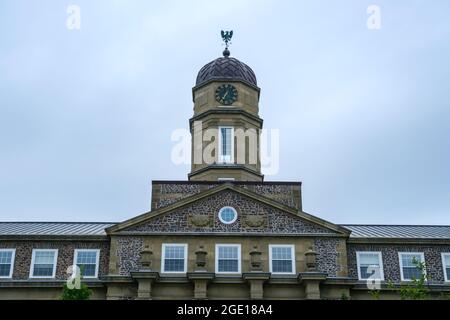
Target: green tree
[344, 296]
[375, 294]
[84, 293]
[417, 289]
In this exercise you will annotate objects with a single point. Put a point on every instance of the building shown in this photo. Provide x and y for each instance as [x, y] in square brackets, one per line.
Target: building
[225, 233]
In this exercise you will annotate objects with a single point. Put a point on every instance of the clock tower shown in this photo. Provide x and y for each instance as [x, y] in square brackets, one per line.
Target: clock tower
[226, 125]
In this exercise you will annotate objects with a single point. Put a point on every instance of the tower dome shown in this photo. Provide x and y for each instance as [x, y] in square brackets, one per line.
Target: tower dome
[228, 69]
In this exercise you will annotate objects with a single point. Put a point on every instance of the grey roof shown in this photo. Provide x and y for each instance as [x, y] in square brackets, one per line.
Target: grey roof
[226, 69]
[54, 228]
[399, 231]
[98, 229]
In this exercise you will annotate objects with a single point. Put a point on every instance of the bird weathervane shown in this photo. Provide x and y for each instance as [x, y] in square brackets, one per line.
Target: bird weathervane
[226, 37]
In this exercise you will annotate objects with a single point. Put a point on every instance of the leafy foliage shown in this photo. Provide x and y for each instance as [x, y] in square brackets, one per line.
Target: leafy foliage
[375, 294]
[84, 293]
[344, 296]
[445, 296]
[417, 289]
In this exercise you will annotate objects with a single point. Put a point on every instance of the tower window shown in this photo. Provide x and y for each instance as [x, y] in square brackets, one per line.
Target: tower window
[227, 215]
[226, 144]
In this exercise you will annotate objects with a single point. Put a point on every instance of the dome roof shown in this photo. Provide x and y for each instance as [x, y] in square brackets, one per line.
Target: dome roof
[226, 68]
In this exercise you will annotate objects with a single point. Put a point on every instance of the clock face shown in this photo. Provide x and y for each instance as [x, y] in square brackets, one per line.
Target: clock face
[226, 94]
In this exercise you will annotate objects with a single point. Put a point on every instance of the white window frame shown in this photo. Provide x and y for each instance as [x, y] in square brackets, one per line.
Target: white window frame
[216, 258]
[292, 247]
[11, 269]
[380, 261]
[220, 155]
[226, 222]
[97, 260]
[422, 257]
[163, 256]
[55, 260]
[446, 276]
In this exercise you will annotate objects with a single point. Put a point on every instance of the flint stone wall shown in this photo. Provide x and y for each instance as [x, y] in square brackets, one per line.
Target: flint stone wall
[66, 250]
[164, 194]
[391, 263]
[274, 221]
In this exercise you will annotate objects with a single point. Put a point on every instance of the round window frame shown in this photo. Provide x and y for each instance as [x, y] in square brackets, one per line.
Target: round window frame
[228, 222]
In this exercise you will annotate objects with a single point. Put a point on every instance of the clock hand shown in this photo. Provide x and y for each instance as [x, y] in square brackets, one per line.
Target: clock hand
[226, 93]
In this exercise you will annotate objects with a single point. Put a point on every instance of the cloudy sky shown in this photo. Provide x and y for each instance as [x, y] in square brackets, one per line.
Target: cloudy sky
[86, 115]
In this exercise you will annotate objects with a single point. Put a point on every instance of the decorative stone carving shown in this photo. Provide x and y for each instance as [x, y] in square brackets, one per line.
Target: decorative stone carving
[311, 261]
[255, 221]
[200, 260]
[255, 259]
[200, 220]
[146, 258]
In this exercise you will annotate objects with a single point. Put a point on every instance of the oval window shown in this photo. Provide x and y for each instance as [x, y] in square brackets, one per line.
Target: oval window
[227, 215]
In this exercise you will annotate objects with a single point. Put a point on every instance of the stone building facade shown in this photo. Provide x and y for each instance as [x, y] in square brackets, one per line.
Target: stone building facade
[225, 233]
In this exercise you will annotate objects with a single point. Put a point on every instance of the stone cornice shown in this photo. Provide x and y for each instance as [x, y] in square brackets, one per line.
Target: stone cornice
[225, 110]
[229, 234]
[225, 167]
[238, 183]
[45, 283]
[227, 80]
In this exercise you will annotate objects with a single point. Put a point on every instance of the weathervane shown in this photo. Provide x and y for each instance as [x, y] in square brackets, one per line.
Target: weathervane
[226, 37]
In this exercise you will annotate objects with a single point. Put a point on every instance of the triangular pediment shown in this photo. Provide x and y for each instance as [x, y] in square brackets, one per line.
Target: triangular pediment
[198, 214]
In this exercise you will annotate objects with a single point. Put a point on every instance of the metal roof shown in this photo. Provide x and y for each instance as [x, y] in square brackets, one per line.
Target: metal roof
[226, 68]
[54, 228]
[98, 229]
[398, 231]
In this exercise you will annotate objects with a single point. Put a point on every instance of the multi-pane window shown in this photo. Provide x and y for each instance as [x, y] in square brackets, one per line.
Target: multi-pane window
[446, 265]
[370, 265]
[226, 135]
[227, 215]
[6, 262]
[43, 263]
[228, 258]
[87, 260]
[408, 265]
[174, 258]
[282, 259]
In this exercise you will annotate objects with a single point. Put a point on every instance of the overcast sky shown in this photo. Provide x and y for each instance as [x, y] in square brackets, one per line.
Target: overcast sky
[86, 115]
